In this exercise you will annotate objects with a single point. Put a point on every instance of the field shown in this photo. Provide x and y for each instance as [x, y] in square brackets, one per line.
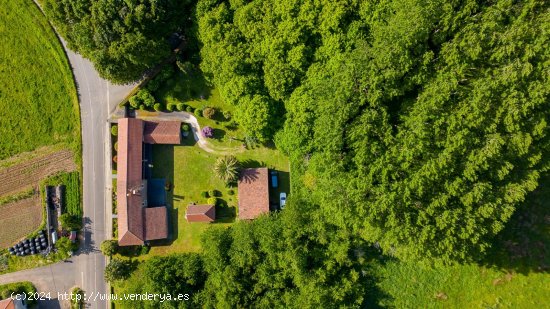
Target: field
[21, 208]
[513, 275]
[72, 190]
[18, 219]
[28, 173]
[38, 102]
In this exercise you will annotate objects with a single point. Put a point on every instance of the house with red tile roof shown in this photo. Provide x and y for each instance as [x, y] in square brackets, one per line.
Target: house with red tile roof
[137, 223]
[253, 193]
[200, 213]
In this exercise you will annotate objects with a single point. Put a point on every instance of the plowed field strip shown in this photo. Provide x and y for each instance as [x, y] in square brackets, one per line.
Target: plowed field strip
[18, 219]
[28, 174]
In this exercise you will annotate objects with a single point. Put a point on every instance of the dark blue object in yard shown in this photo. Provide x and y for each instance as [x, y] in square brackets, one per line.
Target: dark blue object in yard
[274, 179]
[156, 193]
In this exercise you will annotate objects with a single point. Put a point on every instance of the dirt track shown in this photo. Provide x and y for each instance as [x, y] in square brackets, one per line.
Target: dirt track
[28, 174]
[18, 219]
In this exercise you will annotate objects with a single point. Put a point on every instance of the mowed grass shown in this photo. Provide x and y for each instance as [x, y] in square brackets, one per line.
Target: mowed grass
[515, 274]
[190, 169]
[38, 102]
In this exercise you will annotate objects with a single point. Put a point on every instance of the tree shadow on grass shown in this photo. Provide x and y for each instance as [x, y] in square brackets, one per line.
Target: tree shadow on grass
[163, 160]
[524, 245]
[218, 134]
[252, 164]
[224, 212]
[188, 140]
[187, 87]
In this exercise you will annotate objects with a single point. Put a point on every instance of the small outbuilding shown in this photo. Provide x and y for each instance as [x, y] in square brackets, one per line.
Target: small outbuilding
[200, 213]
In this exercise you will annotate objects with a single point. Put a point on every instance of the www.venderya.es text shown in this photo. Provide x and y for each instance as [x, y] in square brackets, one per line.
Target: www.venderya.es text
[92, 297]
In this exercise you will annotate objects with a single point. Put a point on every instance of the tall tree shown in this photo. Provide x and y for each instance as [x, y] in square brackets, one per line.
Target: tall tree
[122, 38]
[429, 134]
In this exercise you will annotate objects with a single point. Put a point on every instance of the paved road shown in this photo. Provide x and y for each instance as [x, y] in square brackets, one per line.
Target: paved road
[98, 98]
[51, 279]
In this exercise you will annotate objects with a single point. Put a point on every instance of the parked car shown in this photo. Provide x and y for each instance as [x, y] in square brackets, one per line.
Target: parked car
[282, 199]
[274, 179]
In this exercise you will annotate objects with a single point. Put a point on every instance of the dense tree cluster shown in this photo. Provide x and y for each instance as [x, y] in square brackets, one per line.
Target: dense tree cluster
[122, 38]
[419, 124]
[272, 262]
[427, 136]
[257, 52]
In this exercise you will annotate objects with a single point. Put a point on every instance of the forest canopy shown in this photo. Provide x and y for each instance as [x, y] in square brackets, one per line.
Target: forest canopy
[421, 125]
[122, 38]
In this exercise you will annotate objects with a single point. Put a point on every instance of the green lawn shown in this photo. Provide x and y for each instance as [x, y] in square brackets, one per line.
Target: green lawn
[38, 102]
[513, 275]
[410, 285]
[189, 168]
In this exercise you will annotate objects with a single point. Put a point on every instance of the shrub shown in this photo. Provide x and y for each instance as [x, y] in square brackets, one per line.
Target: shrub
[65, 247]
[77, 298]
[146, 97]
[212, 201]
[180, 106]
[70, 222]
[115, 158]
[198, 112]
[232, 125]
[158, 107]
[227, 169]
[118, 270]
[230, 192]
[207, 132]
[142, 107]
[135, 101]
[227, 115]
[190, 109]
[144, 250]
[212, 193]
[170, 107]
[185, 127]
[205, 194]
[209, 112]
[109, 247]
[114, 130]
[115, 146]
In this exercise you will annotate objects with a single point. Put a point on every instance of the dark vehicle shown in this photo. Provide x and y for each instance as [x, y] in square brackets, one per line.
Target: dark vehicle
[274, 179]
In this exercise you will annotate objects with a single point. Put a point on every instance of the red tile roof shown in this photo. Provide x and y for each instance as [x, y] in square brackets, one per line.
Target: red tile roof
[200, 213]
[136, 223]
[129, 182]
[253, 193]
[156, 223]
[7, 304]
[162, 132]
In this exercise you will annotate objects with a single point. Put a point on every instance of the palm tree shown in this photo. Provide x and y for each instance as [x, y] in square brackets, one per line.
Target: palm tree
[227, 169]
